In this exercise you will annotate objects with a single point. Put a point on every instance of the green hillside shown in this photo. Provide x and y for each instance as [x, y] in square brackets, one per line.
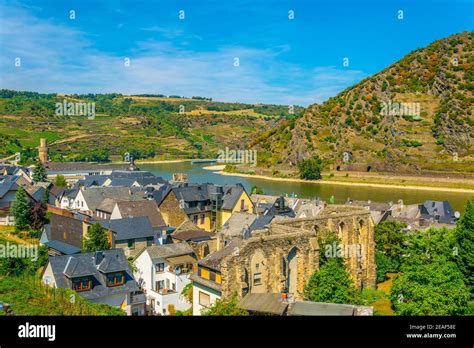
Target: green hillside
[27, 296]
[151, 127]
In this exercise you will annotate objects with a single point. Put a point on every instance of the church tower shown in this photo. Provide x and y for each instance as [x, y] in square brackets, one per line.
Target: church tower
[43, 151]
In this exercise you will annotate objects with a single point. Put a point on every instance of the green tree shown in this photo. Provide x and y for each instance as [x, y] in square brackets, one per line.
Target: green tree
[60, 181]
[310, 169]
[435, 288]
[39, 173]
[256, 190]
[389, 240]
[225, 308]
[464, 244]
[331, 284]
[96, 239]
[20, 209]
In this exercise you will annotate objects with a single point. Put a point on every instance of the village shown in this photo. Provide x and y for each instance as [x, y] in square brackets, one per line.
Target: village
[177, 247]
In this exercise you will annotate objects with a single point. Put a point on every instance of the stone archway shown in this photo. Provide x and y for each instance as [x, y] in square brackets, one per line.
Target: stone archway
[292, 279]
[258, 272]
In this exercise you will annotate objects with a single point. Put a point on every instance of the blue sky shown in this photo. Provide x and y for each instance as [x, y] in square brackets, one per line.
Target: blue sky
[281, 61]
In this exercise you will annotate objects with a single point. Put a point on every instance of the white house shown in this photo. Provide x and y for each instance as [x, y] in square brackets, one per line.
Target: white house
[162, 272]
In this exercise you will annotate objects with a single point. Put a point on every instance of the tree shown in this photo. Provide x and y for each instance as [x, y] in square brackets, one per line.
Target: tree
[256, 190]
[21, 210]
[464, 244]
[435, 288]
[389, 240]
[60, 181]
[37, 215]
[96, 239]
[331, 284]
[225, 308]
[39, 174]
[310, 169]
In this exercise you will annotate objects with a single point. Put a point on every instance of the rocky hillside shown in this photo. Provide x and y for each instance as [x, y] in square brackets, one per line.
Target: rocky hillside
[415, 115]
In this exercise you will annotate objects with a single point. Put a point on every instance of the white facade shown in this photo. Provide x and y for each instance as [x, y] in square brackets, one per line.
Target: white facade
[203, 298]
[79, 202]
[161, 284]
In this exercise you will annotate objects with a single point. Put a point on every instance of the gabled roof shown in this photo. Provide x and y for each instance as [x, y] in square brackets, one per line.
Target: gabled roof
[213, 261]
[169, 250]
[63, 167]
[441, 209]
[129, 228]
[107, 205]
[201, 194]
[95, 195]
[188, 231]
[85, 264]
[148, 208]
[7, 183]
[36, 192]
[75, 267]
[110, 265]
[263, 303]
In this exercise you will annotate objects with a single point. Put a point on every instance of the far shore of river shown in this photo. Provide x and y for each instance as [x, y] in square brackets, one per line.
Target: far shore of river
[346, 183]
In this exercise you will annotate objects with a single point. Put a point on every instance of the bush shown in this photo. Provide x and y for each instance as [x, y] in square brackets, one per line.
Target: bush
[310, 169]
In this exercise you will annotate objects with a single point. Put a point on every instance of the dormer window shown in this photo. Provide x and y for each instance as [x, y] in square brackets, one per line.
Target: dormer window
[115, 279]
[81, 284]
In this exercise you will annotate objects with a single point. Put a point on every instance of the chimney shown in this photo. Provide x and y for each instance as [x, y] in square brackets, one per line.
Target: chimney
[98, 256]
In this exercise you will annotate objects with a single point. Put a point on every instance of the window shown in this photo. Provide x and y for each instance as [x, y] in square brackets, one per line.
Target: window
[204, 299]
[149, 241]
[242, 204]
[195, 219]
[160, 267]
[257, 279]
[212, 276]
[173, 286]
[115, 279]
[159, 285]
[131, 243]
[202, 219]
[81, 284]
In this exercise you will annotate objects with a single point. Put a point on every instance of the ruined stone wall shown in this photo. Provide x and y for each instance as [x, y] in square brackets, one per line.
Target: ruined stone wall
[353, 225]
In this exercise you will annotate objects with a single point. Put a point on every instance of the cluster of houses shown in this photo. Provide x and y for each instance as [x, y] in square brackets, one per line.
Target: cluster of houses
[167, 238]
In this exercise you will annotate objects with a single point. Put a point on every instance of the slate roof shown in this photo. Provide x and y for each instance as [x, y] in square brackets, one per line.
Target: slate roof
[63, 248]
[201, 194]
[169, 250]
[36, 192]
[8, 183]
[148, 208]
[237, 223]
[188, 231]
[67, 266]
[92, 180]
[442, 209]
[161, 193]
[107, 205]
[95, 195]
[129, 228]
[213, 261]
[263, 303]
[63, 225]
[319, 308]
[64, 167]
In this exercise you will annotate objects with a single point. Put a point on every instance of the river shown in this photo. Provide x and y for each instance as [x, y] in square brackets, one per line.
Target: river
[197, 174]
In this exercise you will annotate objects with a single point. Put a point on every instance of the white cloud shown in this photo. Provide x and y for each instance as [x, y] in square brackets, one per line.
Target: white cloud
[56, 58]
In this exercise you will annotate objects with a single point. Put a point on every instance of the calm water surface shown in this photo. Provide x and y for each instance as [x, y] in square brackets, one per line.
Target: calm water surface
[197, 174]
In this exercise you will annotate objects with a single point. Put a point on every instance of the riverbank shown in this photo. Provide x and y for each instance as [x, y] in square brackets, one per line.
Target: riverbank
[155, 161]
[350, 182]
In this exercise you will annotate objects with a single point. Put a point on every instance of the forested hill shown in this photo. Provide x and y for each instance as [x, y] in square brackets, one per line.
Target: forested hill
[415, 115]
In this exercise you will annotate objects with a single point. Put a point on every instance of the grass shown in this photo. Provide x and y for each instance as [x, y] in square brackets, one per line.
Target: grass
[28, 296]
[383, 306]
